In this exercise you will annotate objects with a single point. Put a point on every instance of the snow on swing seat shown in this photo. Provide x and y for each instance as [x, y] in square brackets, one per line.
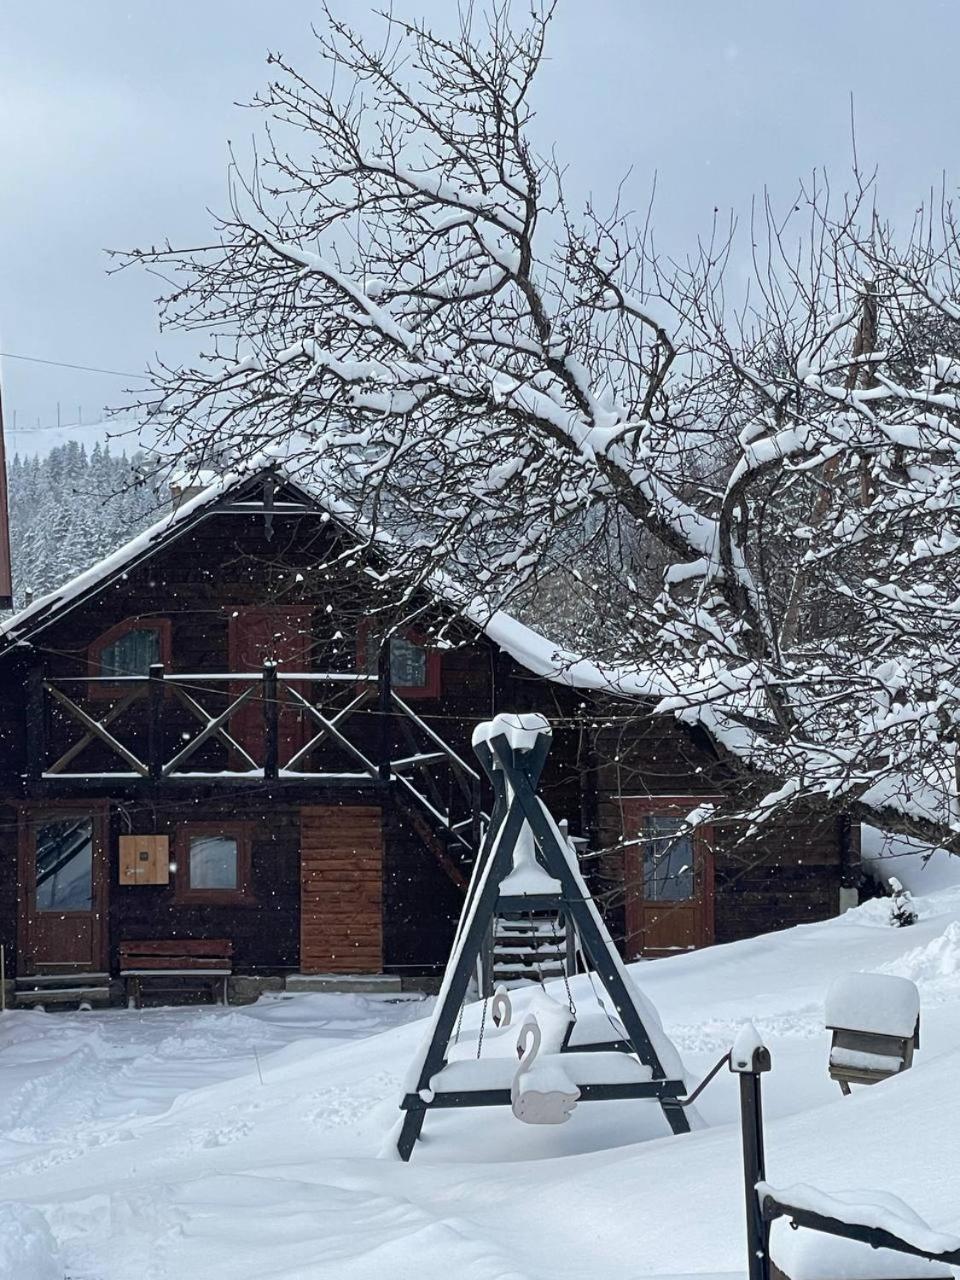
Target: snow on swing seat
[477, 1075]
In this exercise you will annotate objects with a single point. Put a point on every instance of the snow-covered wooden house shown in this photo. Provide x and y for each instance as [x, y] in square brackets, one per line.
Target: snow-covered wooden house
[205, 750]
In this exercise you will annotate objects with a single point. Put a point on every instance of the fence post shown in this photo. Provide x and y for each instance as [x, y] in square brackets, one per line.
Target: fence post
[271, 712]
[155, 724]
[749, 1058]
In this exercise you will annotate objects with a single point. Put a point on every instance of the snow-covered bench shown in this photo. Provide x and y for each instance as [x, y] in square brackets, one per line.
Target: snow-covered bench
[875, 1020]
[208, 960]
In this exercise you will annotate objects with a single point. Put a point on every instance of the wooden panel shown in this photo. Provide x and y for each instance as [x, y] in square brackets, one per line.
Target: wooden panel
[144, 860]
[178, 947]
[341, 889]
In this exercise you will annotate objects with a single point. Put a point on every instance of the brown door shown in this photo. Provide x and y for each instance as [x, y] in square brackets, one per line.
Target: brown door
[281, 634]
[668, 876]
[341, 889]
[63, 890]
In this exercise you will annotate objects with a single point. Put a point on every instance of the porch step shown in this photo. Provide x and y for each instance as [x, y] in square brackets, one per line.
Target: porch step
[62, 988]
[63, 979]
[362, 983]
[65, 995]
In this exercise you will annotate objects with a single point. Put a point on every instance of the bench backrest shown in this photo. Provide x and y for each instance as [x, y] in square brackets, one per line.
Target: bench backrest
[180, 946]
[173, 953]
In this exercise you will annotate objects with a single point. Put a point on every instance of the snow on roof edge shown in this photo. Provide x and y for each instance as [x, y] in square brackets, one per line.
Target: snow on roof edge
[532, 650]
[47, 605]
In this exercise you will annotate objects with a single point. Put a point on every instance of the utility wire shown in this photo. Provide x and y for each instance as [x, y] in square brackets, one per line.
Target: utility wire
[63, 364]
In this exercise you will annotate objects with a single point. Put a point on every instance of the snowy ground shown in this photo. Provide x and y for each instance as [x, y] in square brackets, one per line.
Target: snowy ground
[243, 1144]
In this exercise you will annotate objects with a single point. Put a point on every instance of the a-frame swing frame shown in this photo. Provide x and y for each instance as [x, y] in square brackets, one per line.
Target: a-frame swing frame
[512, 751]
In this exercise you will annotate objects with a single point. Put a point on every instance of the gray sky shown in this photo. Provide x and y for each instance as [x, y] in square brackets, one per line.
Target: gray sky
[114, 121]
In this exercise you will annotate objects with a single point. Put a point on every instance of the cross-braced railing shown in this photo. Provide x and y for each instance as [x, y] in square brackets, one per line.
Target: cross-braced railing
[233, 727]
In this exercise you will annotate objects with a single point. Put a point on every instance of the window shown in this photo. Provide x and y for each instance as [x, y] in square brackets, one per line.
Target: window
[64, 864]
[131, 654]
[668, 860]
[129, 649]
[414, 669]
[213, 863]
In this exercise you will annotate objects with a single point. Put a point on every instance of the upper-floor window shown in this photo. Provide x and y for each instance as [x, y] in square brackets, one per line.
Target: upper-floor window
[132, 654]
[130, 648]
[414, 669]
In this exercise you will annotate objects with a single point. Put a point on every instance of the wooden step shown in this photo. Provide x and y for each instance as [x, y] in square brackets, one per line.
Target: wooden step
[62, 979]
[63, 995]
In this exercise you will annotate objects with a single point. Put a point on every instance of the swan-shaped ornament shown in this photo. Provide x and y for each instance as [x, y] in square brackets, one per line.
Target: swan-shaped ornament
[541, 1092]
[501, 1009]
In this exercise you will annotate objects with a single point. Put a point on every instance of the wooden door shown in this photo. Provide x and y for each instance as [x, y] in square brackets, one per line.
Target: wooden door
[282, 634]
[668, 876]
[341, 889]
[63, 890]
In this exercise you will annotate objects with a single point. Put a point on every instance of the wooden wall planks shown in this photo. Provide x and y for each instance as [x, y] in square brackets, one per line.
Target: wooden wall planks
[341, 889]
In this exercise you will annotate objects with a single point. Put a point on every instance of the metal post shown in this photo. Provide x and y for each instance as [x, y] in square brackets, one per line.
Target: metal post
[749, 1061]
[271, 735]
[155, 724]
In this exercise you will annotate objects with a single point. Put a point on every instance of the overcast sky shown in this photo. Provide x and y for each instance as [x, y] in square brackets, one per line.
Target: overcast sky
[114, 121]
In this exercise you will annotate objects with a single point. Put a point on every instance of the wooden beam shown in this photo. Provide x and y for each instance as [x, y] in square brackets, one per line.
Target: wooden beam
[335, 733]
[211, 726]
[95, 727]
[271, 726]
[81, 744]
[155, 721]
[364, 696]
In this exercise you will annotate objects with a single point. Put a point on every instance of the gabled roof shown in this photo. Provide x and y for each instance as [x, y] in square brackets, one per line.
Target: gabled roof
[529, 648]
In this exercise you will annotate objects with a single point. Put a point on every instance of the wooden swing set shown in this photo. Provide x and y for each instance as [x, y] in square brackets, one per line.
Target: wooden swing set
[526, 865]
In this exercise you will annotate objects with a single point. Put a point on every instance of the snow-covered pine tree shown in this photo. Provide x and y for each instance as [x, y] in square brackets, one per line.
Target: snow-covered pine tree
[68, 509]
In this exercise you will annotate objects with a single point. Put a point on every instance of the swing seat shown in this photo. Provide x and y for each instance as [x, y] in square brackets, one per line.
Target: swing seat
[537, 1105]
[466, 1076]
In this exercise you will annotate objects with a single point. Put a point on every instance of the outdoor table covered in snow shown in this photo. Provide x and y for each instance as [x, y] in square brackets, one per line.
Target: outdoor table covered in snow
[875, 1020]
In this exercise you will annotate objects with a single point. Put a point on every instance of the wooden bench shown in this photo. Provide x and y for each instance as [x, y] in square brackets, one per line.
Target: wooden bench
[208, 959]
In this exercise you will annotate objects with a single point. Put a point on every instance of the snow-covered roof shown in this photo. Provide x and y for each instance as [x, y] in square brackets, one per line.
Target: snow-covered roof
[532, 650]
[47, 607]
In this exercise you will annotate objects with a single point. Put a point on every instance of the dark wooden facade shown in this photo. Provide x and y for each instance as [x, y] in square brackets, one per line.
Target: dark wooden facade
[353, 803]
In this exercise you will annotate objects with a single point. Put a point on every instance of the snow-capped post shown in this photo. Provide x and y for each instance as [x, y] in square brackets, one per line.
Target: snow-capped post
[155, 696]
[749, 1058]
[384, 706]
[271, 733]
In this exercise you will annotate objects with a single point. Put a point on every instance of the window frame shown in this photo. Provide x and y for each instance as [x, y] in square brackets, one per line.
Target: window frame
[433, 661]
[184, 893]
[99, 691]
[698, 844]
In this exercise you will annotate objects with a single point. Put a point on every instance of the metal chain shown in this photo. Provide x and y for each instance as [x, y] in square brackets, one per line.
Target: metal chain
[483, 1023]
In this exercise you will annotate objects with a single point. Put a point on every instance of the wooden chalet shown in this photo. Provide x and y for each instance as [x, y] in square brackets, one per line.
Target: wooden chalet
[209, 762]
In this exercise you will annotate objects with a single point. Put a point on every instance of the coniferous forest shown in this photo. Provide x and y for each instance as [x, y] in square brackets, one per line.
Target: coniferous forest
[70, 508]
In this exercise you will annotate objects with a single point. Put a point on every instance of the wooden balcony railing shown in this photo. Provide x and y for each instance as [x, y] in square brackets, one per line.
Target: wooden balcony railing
[231, 728]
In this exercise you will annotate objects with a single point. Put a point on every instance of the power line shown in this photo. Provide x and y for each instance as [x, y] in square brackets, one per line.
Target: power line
[63, 364]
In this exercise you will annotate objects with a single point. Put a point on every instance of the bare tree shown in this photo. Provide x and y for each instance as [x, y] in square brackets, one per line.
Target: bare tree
[403, 301]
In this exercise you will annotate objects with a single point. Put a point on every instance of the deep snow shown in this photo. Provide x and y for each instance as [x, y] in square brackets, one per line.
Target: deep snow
[243, 1143]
